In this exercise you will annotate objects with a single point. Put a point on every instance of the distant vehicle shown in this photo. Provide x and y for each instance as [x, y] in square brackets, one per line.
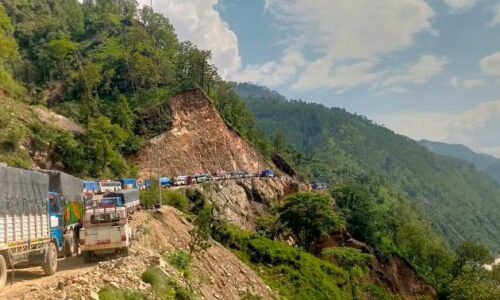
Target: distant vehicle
[124, 198]
[180, 180]
[108, 186]
[202, 178]
[90, 187]
[165, 182]
[237, 174]
[267, 173]
[128, 183]
[318, 186]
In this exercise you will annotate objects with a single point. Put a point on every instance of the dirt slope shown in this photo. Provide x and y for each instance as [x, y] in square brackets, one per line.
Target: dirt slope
[216, 273]
[199, 140]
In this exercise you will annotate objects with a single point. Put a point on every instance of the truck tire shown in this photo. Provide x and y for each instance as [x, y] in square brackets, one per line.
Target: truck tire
[125, 252]
[68, 246]
[3, 271]
[50, 265]
[87, 257]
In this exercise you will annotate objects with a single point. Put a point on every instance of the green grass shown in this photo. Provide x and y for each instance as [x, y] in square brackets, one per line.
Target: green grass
[292, 272]
[108, 293]
[164, 286]
[181, 260]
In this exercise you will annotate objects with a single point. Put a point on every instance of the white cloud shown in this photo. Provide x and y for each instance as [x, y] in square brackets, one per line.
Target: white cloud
[419, 73]
[272, 73]
[476, 128]
[491, 64]
[199, 22]
[344, 38]
[321, 74]
[496, 18]
[460, 5]
[467, 84]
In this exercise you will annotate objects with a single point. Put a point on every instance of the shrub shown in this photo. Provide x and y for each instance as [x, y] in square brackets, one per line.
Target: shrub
[176, 199]
[201, 233]
[108, 293]
[165, 287]
[309, 216]
[181, 260]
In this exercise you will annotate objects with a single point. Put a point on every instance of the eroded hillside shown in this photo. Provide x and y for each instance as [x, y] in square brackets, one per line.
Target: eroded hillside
[199, 140]
[215, 274]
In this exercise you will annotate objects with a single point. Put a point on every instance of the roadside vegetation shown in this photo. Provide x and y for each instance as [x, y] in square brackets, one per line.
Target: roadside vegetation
[112, 68]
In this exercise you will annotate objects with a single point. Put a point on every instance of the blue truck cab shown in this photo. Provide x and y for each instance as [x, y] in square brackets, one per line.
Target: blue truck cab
[128, 183]
[267, 173]
[56, 220]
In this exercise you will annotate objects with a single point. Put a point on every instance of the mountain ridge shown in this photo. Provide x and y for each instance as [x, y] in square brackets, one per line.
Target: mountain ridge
[483, 162]
[462, 202]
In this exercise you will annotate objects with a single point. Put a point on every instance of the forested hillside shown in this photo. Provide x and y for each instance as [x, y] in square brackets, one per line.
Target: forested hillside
[483, 162]
[462, 202]
[109, 66]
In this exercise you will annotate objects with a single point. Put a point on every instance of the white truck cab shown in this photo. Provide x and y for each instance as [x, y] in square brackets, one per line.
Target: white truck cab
[105, 231]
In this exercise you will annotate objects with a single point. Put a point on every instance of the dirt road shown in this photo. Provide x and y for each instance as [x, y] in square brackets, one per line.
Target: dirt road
[27, 278]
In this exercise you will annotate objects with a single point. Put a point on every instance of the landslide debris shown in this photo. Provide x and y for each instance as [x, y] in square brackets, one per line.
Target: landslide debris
[215, 273]
[199, 141]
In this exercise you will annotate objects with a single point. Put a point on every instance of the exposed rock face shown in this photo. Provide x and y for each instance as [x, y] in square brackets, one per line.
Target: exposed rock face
[401, 279]
[60, 122]
[241, 201]
[199, 141]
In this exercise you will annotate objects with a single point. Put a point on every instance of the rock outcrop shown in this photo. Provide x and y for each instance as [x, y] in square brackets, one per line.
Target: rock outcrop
[241, 201]
[198, 141]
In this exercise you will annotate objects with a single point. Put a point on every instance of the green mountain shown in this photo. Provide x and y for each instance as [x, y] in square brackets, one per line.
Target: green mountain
[483, 162]
[107, 65]
[463, 203]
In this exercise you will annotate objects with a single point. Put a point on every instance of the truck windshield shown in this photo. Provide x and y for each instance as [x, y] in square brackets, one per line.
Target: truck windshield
[54, 206]
[105, 218]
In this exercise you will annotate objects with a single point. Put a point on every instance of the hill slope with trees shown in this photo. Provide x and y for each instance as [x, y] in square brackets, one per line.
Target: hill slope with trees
[463, 203]
[483, 162]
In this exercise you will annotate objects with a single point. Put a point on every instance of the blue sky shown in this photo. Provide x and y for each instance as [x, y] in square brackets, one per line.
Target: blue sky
[424, 68]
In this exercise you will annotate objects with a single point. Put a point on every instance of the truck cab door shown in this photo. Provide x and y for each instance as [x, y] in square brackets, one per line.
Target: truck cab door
[56, 220]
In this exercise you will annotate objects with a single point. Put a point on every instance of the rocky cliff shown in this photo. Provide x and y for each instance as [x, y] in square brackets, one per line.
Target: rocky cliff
[241, 201]
[199, 141]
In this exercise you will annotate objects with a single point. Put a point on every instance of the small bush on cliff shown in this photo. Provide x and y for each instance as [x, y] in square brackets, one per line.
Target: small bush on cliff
[176, 199]
[354, 261]
[108, 293]
[165, 287]
[201, 233]
[181, 260]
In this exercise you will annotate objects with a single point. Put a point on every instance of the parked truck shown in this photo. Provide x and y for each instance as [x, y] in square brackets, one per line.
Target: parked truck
[28, 213]
[105, 231]
[67, 192]
[128, 183]
[125, 198]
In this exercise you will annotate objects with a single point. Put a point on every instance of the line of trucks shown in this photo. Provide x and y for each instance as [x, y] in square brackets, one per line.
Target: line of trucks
[39, 211]
[204, 177]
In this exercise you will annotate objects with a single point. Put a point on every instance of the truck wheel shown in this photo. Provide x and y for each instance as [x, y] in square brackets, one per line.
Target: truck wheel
[87, 257]
[68, 246]
[125, 252]
[3, 271]
[50, 265]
